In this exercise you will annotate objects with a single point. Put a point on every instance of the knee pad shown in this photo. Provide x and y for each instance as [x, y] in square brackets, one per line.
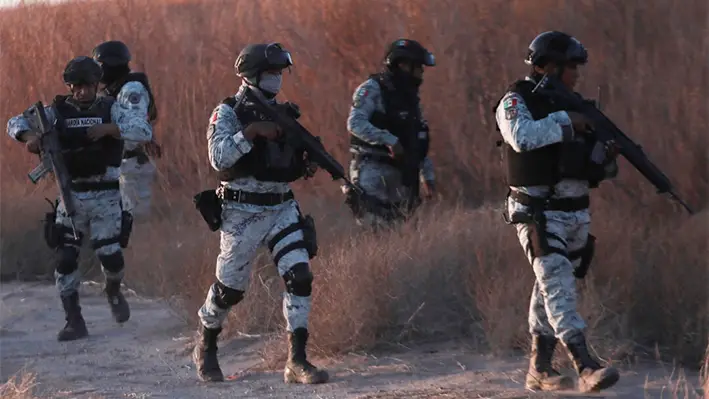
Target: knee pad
[113, 263]
[68, 260]
[299, 280]
[226, 297]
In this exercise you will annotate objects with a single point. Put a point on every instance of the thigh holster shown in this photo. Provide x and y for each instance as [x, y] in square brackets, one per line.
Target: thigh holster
[306, 224]
[586, 255]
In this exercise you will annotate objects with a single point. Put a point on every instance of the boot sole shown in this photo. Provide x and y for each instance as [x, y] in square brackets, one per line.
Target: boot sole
[604, 383]
[291, 378]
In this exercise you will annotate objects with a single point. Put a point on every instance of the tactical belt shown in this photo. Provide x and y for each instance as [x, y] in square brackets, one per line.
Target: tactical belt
[85, 186]
[244, 197]
[552, 204]
[385, 159]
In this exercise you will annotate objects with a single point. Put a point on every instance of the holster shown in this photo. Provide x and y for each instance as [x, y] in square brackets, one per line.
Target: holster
[210, 207]
[586, 254]
[52, 232]
[126, 228]
[536, 223]
[309, 234]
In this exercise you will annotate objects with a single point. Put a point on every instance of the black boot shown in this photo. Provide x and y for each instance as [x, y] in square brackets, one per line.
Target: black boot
[205, 355]
[75, 327]
[592, 376]
[541, 376]
[119, 306]
[298, 369]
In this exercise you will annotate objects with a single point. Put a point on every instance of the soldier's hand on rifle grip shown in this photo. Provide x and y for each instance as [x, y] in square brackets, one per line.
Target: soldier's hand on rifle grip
[612, 149]
[33, 145]
[267, 129]
[396, 150]
[580, 122]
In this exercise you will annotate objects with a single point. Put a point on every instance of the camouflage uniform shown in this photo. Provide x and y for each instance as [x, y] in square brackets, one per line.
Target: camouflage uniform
[257, 208]
[378, 179]
[137, 168]
[386, 115]
[98, 210]
[550, 170]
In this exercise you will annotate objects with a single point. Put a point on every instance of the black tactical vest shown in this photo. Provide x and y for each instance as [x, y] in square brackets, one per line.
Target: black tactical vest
[402, 118]
[548, 165]
[115, 88]
[271, 161]
[83, 157]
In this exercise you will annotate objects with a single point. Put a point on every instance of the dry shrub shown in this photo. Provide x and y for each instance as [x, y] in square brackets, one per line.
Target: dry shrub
[19, 387]
[457, 271]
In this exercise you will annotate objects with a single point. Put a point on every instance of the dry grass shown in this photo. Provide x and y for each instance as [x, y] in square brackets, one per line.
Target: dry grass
[458, 271]
[19, 387]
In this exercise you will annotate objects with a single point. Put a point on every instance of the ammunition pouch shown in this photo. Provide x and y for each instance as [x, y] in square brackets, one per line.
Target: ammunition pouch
[586, 255]
[306, 224]
[52, 232]
[126, 228]
[210, 207]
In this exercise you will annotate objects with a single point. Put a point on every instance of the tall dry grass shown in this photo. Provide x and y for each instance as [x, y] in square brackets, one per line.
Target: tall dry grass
[458, 270]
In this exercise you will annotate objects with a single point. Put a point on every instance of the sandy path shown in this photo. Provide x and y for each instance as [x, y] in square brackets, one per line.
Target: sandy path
[147, 358]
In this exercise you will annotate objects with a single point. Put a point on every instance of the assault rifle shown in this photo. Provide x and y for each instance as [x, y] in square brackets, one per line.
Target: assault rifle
[605, 131]
[300, 137]
[52, 159]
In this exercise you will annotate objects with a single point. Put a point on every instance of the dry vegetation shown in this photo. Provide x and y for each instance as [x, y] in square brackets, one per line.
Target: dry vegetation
[458, 270]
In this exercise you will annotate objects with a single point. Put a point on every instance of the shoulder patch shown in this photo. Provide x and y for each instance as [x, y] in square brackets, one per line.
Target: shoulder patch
[360, 96]
[214, 117]
[510, 102]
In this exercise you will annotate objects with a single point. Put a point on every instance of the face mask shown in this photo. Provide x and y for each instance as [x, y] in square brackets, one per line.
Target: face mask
[270, 83]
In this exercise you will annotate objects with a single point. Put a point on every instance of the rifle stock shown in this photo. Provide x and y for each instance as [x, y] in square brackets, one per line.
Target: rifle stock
[606, 131]
[51, 157]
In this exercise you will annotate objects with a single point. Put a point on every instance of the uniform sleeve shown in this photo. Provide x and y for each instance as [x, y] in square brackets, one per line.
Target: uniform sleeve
[225, 138]
[427, 173]
[364, 104]
[523, 133]
[18, 124]
[130, 113]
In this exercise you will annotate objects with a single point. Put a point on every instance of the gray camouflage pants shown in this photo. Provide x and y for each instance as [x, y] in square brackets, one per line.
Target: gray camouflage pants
[381, 181]
[98, 215]
[244, 229]
[552, 308]
[136, 187]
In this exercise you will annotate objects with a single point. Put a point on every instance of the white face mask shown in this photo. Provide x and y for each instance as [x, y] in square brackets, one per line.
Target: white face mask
[270, 83]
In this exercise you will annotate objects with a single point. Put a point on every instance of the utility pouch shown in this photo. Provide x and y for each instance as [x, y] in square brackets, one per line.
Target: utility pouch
[586, 254]
[309, 235]
[210, 207]
[52, 232]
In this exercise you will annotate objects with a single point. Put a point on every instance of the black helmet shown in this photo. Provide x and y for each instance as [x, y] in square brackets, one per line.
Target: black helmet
[408, 50]
[82, 70]
[557, 47]
[112, 53]
[256, 58]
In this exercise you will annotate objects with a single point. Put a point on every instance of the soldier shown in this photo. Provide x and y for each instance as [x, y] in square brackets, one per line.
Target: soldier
[550, 171]
[91, 131]
[137, 167]
[256, 207]
[389, 137]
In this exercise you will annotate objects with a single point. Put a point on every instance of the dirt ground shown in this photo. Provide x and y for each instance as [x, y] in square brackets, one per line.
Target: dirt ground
[148, 357]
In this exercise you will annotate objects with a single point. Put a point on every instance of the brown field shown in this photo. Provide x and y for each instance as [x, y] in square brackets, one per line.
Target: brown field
[457, 271]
